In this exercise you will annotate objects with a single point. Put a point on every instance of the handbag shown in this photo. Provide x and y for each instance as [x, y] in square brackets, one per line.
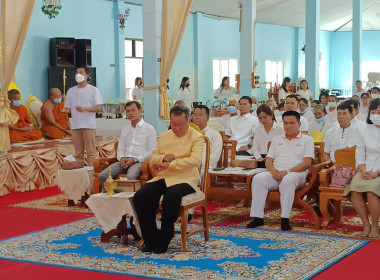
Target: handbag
[342, 176]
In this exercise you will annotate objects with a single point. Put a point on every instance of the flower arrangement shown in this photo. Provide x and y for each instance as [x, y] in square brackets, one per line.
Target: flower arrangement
[51, 8]
[123, 17]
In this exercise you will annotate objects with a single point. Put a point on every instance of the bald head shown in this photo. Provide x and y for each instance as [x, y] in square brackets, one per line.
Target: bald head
[55, 93]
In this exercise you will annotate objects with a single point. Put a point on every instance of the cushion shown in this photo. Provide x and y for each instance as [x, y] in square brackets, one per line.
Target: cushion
[192, 198]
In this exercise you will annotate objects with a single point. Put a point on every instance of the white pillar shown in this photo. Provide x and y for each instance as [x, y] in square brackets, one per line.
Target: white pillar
[356, 41]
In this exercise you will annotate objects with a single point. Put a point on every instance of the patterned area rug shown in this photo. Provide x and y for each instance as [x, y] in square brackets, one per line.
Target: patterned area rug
[224, 213]
[231, 253]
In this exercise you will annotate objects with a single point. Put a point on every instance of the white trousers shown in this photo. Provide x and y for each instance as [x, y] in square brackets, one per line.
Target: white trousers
[263, 182]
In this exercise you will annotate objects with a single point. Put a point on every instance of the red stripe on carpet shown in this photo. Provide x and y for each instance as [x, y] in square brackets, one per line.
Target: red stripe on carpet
[18, 197]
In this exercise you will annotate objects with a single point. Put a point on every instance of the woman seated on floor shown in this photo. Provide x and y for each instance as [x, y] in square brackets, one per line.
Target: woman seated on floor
[365, 186]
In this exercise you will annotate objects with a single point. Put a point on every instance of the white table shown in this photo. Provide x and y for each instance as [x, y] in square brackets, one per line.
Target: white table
[111, 212]
[109, 129]
[76, 183]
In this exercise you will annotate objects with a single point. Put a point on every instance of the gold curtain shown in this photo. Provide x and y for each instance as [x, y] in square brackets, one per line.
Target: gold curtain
[174, 19]
[15, 18]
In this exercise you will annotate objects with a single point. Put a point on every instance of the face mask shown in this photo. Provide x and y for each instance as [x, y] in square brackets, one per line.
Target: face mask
[331, 104]
[320, 120]
[374, 95]
[16, 103]
[188, 85]
[375, 119]
[302, 112]
[231, 109]
[79, 78]
[57, 101]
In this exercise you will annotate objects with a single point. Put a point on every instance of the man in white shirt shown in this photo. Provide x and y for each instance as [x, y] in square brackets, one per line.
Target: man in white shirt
[136, 144]
[342, 136]
[288, 160]
[82, 102]
[359, 90]
[232, 110]
[291, 104]
[200, 118]
[243, 126]
[355, 120]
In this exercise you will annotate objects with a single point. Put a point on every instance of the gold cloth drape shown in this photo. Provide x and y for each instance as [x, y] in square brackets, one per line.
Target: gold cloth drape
[174, 18]
[15, 18]
[28, 170]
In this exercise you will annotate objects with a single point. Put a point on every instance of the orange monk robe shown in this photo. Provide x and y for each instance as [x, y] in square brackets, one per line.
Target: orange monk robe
[60, 118]
[23, 121]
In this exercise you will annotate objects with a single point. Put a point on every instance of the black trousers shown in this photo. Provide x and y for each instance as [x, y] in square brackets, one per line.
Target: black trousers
[243, 153]
[146, 202]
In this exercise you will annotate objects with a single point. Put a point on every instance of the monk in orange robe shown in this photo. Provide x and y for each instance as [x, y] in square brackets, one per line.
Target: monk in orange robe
[22, 130]
[55, 122]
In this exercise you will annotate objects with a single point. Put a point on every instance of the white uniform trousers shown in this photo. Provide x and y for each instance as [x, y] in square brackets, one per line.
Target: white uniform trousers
[263, 182]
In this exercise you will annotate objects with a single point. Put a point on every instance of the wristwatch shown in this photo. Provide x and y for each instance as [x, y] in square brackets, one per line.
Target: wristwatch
[136, 160]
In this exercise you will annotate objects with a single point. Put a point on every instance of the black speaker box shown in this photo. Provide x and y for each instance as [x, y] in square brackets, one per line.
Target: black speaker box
[62, 52]
[83, 52]
[55, 77]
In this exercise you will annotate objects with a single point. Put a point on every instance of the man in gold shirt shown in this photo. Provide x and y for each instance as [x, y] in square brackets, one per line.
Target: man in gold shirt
[174, 165]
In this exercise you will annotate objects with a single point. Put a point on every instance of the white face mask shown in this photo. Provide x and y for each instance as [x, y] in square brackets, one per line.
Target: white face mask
[374, 95]
[375, 119]
[79, 78]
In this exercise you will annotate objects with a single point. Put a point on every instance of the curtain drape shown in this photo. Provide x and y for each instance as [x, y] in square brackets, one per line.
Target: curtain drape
[15, 18]
[174, 18]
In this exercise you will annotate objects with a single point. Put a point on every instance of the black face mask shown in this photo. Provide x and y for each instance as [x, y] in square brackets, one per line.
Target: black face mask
[188, 85]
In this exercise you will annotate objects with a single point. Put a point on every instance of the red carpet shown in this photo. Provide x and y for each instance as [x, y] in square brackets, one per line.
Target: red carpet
[19, 221]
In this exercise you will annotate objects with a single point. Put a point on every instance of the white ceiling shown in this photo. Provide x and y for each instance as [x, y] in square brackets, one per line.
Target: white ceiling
[336, 15]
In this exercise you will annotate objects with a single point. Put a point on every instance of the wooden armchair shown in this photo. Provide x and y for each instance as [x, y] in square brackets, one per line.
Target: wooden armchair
[99, 165]
[197, 199]
[228, 153]
[343, 157]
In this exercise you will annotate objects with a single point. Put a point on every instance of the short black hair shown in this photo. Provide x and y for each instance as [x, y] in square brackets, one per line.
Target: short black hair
[247, 98]
[304, 100]
[130, 103]
[316, 101]
[353, 102]
[179, 110]
[205, 108]
[292, 113]
[292, 96]
[376, 88]
[375, 103]
[345, 105]
[364, 93]
[323, 93]
[358, 81]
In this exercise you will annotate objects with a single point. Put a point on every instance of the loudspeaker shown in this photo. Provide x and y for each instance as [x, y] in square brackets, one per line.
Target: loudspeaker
[83, 52]
[55, 77]
[62, 52]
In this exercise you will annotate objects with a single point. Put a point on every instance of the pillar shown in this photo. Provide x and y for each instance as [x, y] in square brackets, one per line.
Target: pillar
[356, 41]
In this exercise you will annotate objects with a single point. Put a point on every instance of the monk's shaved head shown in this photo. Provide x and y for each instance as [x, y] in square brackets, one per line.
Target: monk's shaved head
[55, 93]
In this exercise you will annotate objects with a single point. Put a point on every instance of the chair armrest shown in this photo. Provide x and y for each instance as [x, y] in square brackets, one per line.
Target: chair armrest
[145, 173]
[325, 176]
[312, 185]
[102, 163]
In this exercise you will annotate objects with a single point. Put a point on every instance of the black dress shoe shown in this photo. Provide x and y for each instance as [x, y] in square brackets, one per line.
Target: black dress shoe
[147, 249]
[256, 222]
[189, 217]
[160, 249]
[285, 225]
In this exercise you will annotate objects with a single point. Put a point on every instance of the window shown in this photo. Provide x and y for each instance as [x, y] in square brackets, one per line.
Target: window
[133, 64]
[274, 71]
[222, 68]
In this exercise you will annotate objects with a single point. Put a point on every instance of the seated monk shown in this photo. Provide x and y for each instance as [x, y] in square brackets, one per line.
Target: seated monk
[22, 130]
[55, 122]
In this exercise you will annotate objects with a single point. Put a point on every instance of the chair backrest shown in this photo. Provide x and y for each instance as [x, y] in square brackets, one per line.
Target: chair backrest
[319, 149]
[206, 165]
[228, 152]
[345, 157]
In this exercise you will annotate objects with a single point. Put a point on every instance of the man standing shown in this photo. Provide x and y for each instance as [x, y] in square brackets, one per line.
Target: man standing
[174, 165]
[342, 136]
[55, 122]
[82, 102]
[136, 144]
[243, 126]
[200, 118]
[288, 160]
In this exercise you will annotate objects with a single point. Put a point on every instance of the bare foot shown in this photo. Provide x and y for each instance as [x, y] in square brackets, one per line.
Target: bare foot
[365, 231]
[374, 233]
[240, 204]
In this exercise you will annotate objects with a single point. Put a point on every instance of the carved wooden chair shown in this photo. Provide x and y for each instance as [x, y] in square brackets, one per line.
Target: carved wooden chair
[343, 157]
[197, 199]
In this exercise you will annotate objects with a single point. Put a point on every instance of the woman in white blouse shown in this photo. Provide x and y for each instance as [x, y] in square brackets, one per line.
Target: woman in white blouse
[285, 89]
[319, 123]
[265, 132]
[304, 91]
[225, 90]
[367, 158]
[184, 92]
[138, 90]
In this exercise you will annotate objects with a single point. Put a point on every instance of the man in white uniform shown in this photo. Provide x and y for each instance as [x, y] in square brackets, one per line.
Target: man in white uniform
[82, 102]
[243, 126]
[288, 160]
[136, 144]
[291, 104]
[342, 136]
